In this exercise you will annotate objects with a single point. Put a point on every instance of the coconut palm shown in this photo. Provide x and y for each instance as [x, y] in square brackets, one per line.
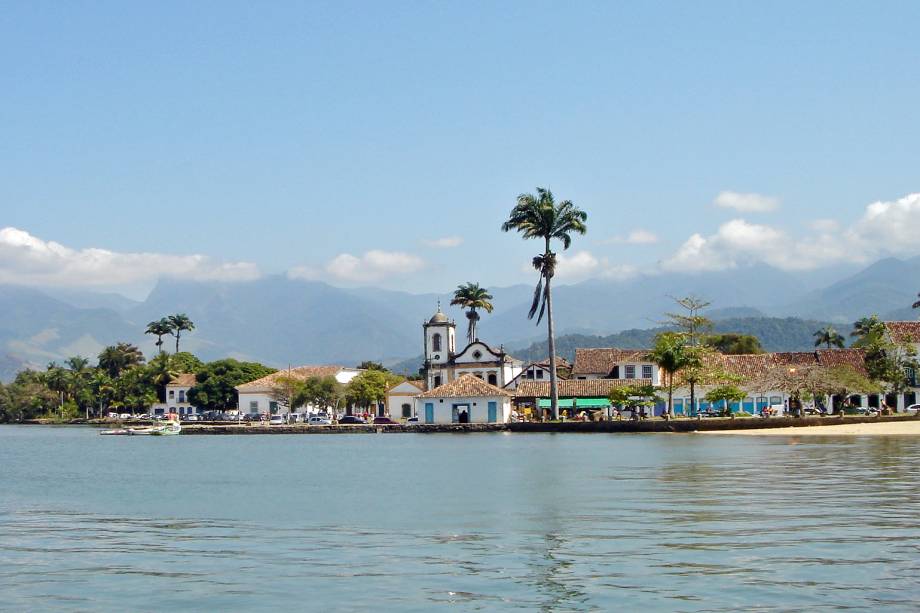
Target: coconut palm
[161, 371]
[828, 336]
[471, 296]
[538, 216]
[180, 323]
[160, 328]
[671, 355]
[116, 358]
[866, 330]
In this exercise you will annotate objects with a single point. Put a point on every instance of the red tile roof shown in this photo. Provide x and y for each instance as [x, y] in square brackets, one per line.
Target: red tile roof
[465, 386]
[301, 373]
[183, 380]
[904, 331]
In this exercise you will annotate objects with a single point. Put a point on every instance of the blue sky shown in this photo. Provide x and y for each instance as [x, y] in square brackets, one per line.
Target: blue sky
[346, 141]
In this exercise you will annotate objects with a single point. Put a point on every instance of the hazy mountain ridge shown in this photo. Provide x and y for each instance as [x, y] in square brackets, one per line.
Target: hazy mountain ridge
[278, 321]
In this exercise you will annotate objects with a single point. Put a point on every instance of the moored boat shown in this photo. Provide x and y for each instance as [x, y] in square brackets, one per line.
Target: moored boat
[172, 426]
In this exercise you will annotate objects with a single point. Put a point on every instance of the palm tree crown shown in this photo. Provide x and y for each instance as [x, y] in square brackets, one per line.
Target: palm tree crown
[828, 336]
[179, 323]
[538, 216]
[472, 297]
[116, 358]
[159, 328]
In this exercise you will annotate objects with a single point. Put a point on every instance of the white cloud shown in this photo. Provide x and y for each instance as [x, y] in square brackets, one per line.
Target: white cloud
[886, 228]
[581, 265]
[636, 237]
[746, 203]
[28, 260]
[372, 266]
[446, 242]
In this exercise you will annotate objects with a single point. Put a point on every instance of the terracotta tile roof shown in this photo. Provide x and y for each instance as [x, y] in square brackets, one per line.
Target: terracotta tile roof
[575, 388]
[855, 358]
[601, 361]
[561, 362]
[465, 386]
[184, 380]
[904, 331]
[752, 366]
[301, 373]
[419, 385]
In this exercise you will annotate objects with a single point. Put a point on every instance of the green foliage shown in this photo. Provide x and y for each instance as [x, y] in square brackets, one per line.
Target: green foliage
[369, 387]
[216, 382]
[116, 358]
[634, 396]
[180, 323]
[733, 343]
[471, 296]
[320, 392]
[829, 336]
[185, 362]
[371, 365]
[27, 397]
[159, 328]
[726, 393]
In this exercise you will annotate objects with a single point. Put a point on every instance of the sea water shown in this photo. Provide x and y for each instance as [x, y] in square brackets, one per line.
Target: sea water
[491, 521]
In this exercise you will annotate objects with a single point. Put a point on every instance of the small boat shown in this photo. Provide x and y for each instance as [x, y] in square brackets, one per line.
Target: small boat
[172, 426]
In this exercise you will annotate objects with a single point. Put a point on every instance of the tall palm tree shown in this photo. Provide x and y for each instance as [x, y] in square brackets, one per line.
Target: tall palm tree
[538, 216]
[116, 358]
[866, 330]
[472, 297]
[180, 323]
[671, 355]
[161, 371]
[828, 336]
[160, 328]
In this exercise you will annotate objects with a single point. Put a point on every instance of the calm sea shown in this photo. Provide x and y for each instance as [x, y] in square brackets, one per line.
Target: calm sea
[477, 522]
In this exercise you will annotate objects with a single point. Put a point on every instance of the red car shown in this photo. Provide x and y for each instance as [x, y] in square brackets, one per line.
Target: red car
[384, 421]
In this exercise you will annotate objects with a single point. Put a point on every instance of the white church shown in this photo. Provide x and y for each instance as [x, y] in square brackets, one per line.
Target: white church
[463, 386]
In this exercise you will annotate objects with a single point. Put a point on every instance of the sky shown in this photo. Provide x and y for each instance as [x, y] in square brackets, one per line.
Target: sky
[385, 143]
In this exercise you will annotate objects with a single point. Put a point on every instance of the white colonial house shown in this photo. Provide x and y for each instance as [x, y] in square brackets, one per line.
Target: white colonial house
[466, 399]
[401, 399]
[444, 364]
[259, 396]
[177, 400]
[614, 363]
[906, 335]
[539, 371]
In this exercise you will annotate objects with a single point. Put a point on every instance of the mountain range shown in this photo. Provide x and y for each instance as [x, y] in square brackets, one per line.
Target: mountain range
[281, 321]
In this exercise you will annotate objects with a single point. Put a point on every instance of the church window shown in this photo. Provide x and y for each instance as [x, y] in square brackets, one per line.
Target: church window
[477, 354]
[436, 342]
[437, 381]
[493, 380]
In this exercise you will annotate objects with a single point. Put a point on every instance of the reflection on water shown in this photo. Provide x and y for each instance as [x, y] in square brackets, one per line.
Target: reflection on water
[476, 522]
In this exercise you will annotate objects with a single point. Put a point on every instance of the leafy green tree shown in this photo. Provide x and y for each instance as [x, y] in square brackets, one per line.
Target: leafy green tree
[116, 358]
[732, 343]
[725, 393]
[369, 387]
[185, 362]
[828, 336]
[538, 216]
[633, 396]
[180, 323]
[471, 296]
[693, 325]
[27, 397]
[321, 392]
[285, 391]
[371, 365]
[160, 328]
[215, 388]
[671, 355]
[868, 331]
[161, 371]
[103, 391]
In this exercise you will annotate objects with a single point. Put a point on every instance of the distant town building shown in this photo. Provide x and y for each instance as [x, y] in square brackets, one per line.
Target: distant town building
[465, 400]
[261, 395]
[177, 400]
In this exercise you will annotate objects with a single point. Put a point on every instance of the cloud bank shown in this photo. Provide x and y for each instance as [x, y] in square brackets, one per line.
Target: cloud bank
[373, 265]
[28, 260]
[746, 203]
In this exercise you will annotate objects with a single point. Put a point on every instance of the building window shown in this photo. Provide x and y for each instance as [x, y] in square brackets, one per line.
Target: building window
[646, 371]
[477, 354]
[540, 374]
[911, 376]
[273, 407]
[181, 395]
[436, 342]
[630, 372]
[616, 372]
[493, 380]
[437, 381]
[407, 410]
[253, 406]
[530, 374]
[172, 394]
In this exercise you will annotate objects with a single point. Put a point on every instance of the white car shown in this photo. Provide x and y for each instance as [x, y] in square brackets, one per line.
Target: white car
[913, 409]
[320, 421]
[276, 420]
[191, 417]
[124, 416]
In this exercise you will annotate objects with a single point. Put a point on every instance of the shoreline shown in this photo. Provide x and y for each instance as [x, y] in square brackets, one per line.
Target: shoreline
[776, 426]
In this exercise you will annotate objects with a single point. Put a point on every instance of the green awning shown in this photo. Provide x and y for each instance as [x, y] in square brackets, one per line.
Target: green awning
[581, 403]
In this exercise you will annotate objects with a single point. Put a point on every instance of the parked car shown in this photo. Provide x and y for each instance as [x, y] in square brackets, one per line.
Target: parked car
[190, 417]
[316, 420]
[384, 421]
[913, 409]
[124, 416]
[351, 419]
[277, 420]
[412, 420]
[295, 418]
[143, 416]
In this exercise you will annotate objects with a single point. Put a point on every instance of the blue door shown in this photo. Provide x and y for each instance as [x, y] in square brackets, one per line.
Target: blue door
[493, 412]
[429, 412]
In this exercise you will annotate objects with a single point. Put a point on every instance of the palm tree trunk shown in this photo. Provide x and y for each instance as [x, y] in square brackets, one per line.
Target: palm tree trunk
[177, 341]
[693, 398]
[670, 395]
[553, 388]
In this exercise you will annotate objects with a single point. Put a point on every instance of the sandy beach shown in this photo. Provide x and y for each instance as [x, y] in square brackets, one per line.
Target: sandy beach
[891, 428]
